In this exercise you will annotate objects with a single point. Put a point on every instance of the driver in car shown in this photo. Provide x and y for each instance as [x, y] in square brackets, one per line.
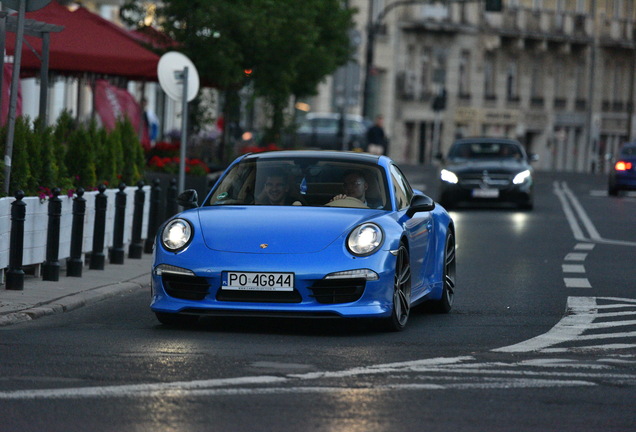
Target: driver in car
[355, 186]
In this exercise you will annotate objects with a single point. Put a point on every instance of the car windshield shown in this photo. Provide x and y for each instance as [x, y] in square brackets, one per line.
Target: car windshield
[301, 181]
[484, 150]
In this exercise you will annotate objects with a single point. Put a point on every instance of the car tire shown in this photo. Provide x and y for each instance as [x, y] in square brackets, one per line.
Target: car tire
[176, 320]
[401, 304]
[612, 190]
[445, 303]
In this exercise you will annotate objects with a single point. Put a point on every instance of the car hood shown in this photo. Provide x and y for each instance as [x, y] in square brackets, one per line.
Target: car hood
[491, 165]
[272, 230]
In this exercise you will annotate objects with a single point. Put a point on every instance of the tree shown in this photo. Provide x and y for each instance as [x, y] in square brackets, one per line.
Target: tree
[289, 47]
[80, 158]
[22, 178]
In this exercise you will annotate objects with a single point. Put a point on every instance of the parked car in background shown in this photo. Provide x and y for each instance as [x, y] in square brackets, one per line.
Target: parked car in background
[623, 173]
[319, 254]
[486, 170]
[321, 131]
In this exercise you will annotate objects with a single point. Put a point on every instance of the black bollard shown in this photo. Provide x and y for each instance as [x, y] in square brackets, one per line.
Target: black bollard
[136, 248]
[117, 252]
[74, 263]
[172, 207]
[153, 215]
[99, 230]
[51, 267]
[15, 274]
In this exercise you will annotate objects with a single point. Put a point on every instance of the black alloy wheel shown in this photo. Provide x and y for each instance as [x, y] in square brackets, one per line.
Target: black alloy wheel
[445, 304]
[401, 291]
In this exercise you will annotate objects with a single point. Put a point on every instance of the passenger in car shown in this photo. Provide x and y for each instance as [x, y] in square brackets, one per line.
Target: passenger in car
[276, 191]
[355, 185]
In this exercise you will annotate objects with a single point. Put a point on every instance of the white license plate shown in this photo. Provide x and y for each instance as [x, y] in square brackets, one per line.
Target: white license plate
[252, 281]
[485, 193]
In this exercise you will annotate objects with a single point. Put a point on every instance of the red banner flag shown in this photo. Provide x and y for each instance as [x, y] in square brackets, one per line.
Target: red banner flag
[113, 103]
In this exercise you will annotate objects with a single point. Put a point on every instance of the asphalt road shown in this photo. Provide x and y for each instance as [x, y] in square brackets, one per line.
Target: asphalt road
[542, 338]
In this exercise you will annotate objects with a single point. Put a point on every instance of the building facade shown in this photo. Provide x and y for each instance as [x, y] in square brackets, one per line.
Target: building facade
[556, 74]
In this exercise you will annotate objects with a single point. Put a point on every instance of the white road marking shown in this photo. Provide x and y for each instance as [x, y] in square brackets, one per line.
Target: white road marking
[580, 313]
[587, 222]
[572, 209]
[573, 268]
[569, 213]
[603, 193]
[575, 256]
[584, 246]
[584, 314]
[577, 283]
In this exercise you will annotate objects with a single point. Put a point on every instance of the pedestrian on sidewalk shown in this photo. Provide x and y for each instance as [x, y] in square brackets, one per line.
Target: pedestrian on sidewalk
[376, 139]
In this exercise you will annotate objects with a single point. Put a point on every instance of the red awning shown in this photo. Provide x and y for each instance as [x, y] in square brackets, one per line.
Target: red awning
[88, 44]
[153, 38]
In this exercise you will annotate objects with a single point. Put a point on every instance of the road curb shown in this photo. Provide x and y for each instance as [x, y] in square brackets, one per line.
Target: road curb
[75, 301]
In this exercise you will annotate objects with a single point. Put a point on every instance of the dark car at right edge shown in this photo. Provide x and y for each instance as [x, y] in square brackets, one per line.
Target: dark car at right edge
[487, 170]
[622, 176]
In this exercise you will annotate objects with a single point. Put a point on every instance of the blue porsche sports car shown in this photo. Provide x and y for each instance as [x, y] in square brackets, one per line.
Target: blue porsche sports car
[305, 234]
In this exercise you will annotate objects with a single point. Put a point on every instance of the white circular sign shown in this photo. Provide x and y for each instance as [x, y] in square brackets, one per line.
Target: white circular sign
[170, 70]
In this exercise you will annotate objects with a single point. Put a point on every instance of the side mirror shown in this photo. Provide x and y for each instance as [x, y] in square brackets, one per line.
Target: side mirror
[420, 203]
[533, 157]
[188, 199]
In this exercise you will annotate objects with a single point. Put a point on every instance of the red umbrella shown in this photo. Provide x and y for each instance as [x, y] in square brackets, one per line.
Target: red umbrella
[88, 44]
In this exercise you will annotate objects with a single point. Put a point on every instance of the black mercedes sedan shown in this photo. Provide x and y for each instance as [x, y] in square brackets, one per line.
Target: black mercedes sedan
[486, 170]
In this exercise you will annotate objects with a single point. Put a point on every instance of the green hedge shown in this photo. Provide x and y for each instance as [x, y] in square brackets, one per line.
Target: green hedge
[70, 154]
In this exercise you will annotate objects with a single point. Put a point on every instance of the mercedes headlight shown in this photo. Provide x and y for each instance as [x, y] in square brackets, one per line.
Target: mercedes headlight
[176, 235]
[365, 239]
[449, 176]
[521, 177]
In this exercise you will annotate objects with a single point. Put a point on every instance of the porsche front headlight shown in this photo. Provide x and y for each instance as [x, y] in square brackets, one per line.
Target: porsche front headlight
[365, 239]
[176, 235]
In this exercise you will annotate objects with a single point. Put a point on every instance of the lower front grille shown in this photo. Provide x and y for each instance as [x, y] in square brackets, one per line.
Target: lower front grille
[333, 291]
[185, 287]
[259, 296]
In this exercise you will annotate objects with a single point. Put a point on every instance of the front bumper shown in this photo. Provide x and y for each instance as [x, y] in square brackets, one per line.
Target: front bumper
[313, 296]
[521, 194]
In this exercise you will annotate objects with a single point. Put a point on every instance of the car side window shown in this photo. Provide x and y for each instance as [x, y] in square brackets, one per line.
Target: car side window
[401, 188]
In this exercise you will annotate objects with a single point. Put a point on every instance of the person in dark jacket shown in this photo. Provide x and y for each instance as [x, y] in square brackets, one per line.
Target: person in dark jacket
[376, 139]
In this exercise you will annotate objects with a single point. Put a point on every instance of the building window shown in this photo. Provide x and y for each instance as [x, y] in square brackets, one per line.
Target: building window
[608, 84]
[439, 71]
[489, 77]
[619, 85]
[425, 73]
[580, 86]
[581, 6]
[464, 75]
[561, 81]
[536, 83]
[512, 82]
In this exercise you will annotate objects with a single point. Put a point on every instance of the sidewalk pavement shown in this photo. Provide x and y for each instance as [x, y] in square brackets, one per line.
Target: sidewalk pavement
[40, 298]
